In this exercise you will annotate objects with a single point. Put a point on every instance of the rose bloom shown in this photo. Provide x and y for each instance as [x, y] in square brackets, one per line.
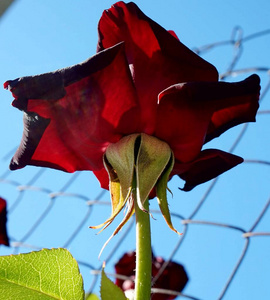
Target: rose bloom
[173, 277]
[142, 80]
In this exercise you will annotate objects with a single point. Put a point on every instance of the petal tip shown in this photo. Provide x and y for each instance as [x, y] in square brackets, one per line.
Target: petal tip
[6, 85]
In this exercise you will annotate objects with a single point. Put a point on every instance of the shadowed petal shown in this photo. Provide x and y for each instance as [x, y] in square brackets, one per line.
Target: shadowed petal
[242, 109]
[182, 122]
[208, 165]
[173, 277]
[34, 128]
[74, 113]
[157, 58]
[190, 112]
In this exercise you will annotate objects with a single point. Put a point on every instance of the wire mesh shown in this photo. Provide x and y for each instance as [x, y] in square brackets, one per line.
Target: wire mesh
[46, 194]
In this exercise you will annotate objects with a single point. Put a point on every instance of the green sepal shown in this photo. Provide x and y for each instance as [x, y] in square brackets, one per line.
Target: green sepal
[128, 214]
[121, 157]
[119, 162]
[110, 291]
[135, 165]
[153, 157]
[161, 192]
[117, 201]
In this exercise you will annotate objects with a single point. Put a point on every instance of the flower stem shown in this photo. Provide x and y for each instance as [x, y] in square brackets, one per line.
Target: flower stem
[143, 253]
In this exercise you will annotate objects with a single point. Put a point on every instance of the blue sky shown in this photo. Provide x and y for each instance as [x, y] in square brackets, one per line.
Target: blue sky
[42, 36]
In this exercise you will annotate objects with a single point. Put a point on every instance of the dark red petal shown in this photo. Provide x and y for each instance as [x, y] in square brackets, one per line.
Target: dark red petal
[34, 127]
[125, 266]
[173, 34]
[189, 114]
[243, 108]
[178, 277]
[182, 122]
[144, 37]
[4, 240]
[208, 165]
[157, 58]
[174, 278]
[103, 178]
[74, 113]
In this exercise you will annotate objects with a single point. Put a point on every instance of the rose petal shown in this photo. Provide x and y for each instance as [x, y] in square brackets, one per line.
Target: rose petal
[208, 165]
[103, 178]
[243, 108]
[144, 37]
[189, 114]
[4, 240]
[173, 34]
[125, 266]
[174, 277]
[78, 111]
[157, 58]
[182, 122]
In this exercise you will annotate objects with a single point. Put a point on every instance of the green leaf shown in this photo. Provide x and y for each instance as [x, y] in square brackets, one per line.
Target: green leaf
[110, 291]
[43, 275]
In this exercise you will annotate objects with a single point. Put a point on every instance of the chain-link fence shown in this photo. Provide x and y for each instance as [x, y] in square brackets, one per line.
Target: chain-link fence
[220, 220]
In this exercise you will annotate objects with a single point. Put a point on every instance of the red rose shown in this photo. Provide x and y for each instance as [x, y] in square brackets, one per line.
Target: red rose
[142, 80]
[4, 240]
[173, 278]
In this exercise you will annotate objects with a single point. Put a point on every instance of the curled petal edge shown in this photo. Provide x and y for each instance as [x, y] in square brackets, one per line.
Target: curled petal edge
[208, 165]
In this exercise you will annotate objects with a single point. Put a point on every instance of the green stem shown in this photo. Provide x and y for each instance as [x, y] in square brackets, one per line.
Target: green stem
[143, 253]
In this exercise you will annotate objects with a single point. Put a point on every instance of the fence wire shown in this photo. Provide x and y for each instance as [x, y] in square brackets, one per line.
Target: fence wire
[20, 189]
